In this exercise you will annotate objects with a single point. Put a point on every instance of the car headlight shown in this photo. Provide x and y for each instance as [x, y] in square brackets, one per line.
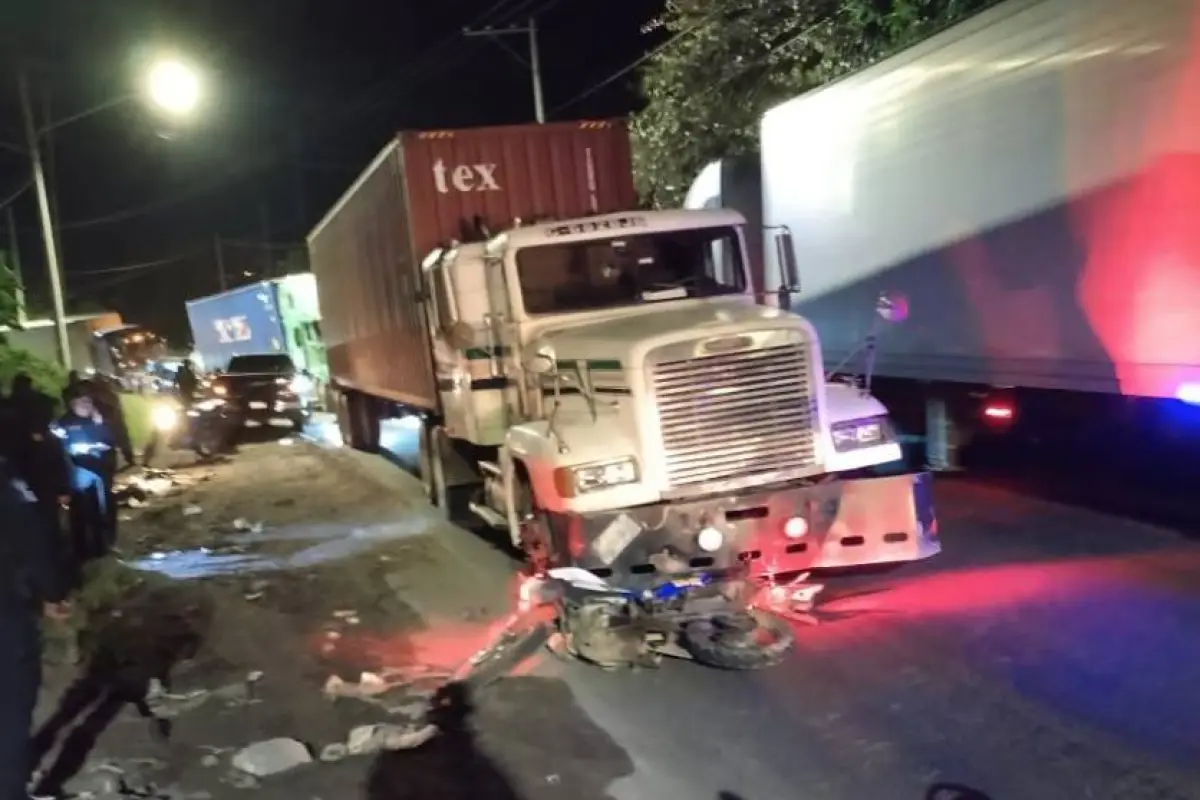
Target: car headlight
[300, 384]
[219, 390]
[164, 418]
[861, 433]
[572, 481]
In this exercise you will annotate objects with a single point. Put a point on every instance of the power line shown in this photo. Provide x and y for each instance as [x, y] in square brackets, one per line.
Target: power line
[137, 267]
[16, 193]
[384, 91]
[637, 62]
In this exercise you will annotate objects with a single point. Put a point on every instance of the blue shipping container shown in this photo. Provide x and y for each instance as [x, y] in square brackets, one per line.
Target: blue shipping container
[239, 322]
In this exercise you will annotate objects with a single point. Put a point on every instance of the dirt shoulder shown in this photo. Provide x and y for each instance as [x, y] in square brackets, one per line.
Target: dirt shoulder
[244, 587]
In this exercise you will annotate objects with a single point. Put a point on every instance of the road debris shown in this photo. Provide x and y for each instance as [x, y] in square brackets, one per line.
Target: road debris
[192, 510]
[263, 759]
[370, 739]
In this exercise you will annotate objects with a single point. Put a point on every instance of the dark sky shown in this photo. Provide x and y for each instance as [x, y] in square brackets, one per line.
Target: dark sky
[300, 95]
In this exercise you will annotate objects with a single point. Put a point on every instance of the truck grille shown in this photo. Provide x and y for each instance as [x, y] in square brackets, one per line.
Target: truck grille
[735, 414]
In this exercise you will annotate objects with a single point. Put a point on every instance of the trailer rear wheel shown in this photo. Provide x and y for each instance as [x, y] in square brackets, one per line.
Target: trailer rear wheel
[345, 422]
[358, 421]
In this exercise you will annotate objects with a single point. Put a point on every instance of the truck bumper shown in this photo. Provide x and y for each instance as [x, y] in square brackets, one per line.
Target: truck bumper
[847, 523]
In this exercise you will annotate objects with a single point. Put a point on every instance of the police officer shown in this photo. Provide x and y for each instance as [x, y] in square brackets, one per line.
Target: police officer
[31, 581]
[90, 444]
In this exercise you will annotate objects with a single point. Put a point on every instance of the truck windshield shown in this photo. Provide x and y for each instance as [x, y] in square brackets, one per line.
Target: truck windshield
[261, 364]
[627, 270]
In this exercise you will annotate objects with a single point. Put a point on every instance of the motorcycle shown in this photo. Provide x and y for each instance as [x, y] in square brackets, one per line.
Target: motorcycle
[206, 427]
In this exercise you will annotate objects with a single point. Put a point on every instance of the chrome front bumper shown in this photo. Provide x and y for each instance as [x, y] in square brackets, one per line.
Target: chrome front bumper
[848, 523]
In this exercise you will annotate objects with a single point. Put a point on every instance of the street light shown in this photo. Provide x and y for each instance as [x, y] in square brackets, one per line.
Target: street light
[172, 86]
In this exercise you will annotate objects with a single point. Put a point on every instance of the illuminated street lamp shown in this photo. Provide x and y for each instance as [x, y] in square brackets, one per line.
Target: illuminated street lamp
[172, 86]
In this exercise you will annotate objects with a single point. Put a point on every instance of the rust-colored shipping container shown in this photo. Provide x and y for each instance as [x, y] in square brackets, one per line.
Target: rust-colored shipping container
[425, 189]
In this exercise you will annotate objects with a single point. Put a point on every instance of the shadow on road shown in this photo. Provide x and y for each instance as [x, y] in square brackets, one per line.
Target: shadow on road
[154, 631]
[522, 737]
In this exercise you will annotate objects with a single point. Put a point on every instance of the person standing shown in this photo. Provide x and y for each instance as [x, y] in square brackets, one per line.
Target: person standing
[108, 403]
[186, 382]
[32, 581]
[91, 447]
[39, 456]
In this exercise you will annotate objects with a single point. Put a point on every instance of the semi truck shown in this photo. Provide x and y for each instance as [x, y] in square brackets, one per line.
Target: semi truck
[280, 315]
[598, 380]
[1025, 179]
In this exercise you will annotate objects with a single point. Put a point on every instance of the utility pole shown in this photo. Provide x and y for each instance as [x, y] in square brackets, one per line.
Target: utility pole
[534, 63]
[14, 264]
[52, 172]
[48, 237]
[220, 256]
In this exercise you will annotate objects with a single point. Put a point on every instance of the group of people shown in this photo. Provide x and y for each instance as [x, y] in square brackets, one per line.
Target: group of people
[48, 466]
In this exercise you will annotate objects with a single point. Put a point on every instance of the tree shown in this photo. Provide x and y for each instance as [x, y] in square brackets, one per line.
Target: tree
[10, 296]
[730, 60]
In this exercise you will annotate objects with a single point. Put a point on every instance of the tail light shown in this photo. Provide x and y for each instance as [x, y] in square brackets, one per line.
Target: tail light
[998, 411]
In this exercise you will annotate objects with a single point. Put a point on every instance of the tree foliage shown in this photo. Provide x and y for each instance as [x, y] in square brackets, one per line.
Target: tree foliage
[47, 376]
[10, 304]
[730, 60]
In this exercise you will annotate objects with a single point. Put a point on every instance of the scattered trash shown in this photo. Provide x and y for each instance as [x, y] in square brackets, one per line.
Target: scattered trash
[368, 739]
[192, 510]
[100, 782]
[242, 525]
[369, 684]
[334, 752]
[271, 757]
[343, 613]
[241, 780]
[164, 704]
[210, 761]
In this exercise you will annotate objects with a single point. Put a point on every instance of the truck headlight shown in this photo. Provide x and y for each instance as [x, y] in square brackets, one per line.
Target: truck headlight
[860, 433]
[572, 481]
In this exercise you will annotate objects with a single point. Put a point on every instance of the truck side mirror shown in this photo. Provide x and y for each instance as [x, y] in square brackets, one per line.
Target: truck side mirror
[785, 248]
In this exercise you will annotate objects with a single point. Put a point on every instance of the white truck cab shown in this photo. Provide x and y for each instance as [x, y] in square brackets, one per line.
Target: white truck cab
[624, 397]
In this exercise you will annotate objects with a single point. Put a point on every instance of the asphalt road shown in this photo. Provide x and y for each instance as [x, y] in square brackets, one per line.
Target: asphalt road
[1049, 653]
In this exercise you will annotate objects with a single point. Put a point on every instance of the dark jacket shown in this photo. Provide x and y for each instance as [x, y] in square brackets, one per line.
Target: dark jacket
[108, 403]
[37, 455]
[29, 547]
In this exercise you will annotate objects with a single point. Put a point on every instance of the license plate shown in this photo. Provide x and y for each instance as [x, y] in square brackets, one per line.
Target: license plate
[256, 404]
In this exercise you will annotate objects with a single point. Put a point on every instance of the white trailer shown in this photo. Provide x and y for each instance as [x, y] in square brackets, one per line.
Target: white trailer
[1029, 180]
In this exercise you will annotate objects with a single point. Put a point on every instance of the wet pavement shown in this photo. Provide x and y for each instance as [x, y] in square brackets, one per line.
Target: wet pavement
[1050, 652]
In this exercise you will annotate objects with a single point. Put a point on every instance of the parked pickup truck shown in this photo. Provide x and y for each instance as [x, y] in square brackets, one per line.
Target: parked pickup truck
[264, 388]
